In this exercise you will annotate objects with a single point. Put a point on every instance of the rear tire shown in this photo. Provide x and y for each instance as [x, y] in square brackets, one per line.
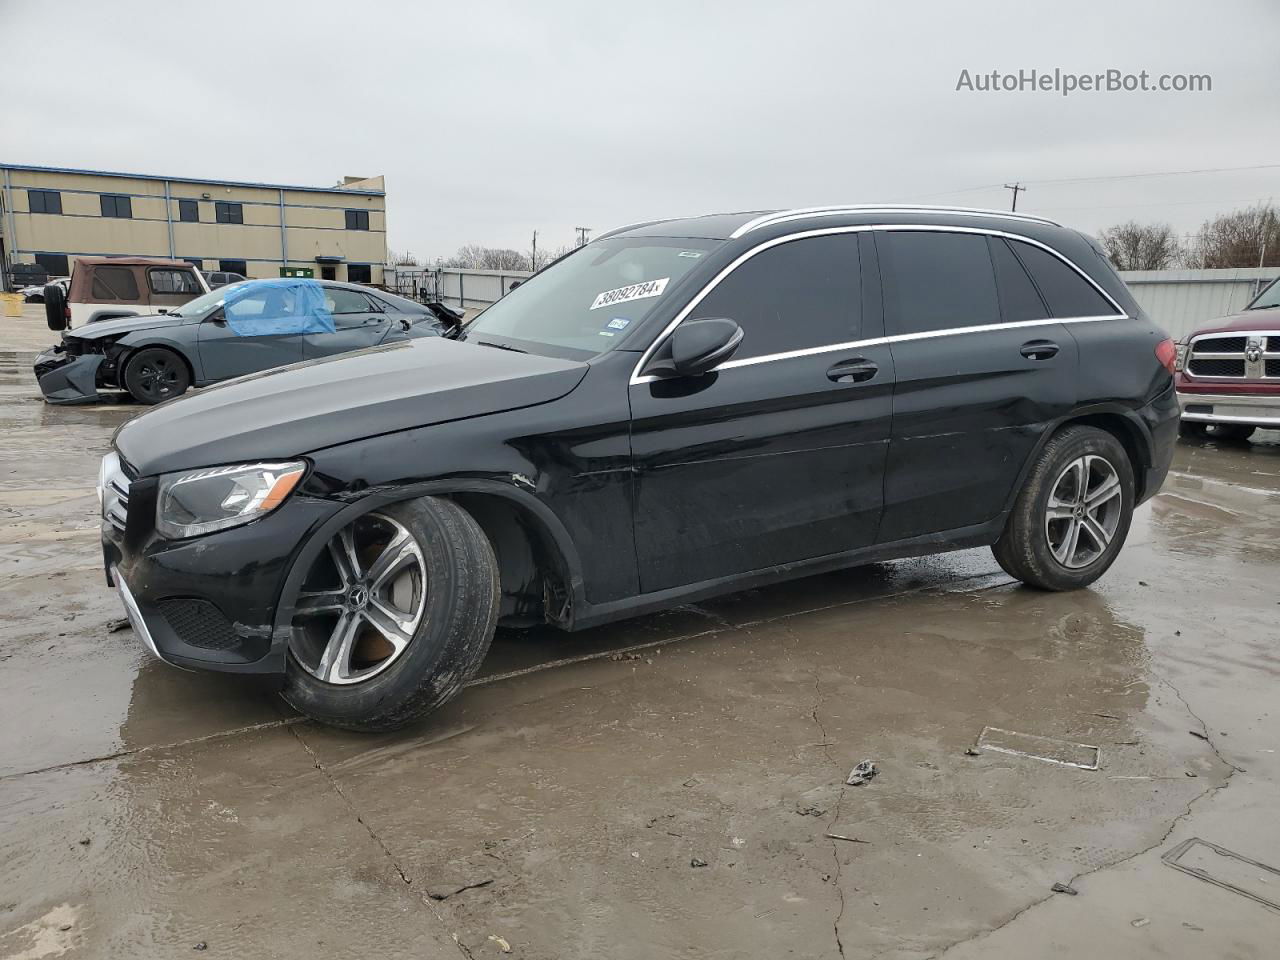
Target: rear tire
[1073, 514]
[443, 604]
[155, 374]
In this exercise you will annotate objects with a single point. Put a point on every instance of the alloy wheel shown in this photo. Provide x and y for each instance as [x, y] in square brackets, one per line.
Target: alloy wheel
[1084, 510]
[362, 602]
[157, 377]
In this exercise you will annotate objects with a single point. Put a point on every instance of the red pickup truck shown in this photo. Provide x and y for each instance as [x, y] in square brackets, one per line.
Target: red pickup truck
[1228, 372]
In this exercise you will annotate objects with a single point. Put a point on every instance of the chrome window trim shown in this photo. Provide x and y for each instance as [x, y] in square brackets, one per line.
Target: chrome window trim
[800, 213]
[647, 355]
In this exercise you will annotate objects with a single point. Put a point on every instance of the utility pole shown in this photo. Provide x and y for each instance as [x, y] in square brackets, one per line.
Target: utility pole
[582, 235]
[533, 257]
[1015, 187]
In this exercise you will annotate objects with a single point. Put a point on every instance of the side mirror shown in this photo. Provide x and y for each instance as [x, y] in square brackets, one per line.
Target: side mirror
[55, 306]
[697, 347]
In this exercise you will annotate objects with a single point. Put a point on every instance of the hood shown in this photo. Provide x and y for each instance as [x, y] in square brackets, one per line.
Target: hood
[115, 328]
[305, 407]
[1266, 318]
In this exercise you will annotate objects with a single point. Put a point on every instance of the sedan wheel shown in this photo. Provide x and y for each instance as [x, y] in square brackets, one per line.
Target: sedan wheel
[364, 604]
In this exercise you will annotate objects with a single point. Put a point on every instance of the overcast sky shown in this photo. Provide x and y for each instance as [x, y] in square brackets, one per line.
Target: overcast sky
[491, 120]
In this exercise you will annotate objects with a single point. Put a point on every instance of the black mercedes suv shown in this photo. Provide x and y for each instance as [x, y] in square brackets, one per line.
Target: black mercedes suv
[678, 409]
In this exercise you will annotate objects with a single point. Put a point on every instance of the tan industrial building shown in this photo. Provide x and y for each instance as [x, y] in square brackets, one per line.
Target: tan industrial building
[52, 215]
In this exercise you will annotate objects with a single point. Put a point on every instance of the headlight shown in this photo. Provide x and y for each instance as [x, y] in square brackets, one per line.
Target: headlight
[1181, 362]
[202, 501]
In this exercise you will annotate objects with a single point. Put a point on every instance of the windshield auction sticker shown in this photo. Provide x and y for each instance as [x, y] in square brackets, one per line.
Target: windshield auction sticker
[637, 291]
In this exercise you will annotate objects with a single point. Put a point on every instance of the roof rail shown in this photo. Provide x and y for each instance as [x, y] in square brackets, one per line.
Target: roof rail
[782, 216]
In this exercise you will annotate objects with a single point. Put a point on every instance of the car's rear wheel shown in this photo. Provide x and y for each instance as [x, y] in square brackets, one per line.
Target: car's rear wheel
[1073, 515]
[155, 374]
[393, 617]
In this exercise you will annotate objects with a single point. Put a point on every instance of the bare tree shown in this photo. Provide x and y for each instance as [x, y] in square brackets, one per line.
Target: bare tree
[405, 259]
[476, 257]
[1140, 246]
[1244, 238]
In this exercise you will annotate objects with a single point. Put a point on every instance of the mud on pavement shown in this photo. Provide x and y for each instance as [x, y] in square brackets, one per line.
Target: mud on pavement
[671, 786]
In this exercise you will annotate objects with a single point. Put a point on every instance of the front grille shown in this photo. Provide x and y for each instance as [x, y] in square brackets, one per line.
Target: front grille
[1273, 368]
[199, 623]
[1200, 367]
[1219, 345]
[115, 494]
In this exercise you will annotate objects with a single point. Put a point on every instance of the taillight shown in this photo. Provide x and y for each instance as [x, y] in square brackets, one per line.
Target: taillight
[66, 310]
[1167, 354]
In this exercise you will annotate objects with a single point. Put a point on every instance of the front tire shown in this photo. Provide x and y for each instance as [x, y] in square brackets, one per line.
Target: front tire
[1234, 431]
[154, 375]
[393, 617]
[1192, 429]
[1073, 514]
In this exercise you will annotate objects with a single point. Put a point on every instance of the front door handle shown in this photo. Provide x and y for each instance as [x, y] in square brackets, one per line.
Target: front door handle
[857, 370]
[1039, 349]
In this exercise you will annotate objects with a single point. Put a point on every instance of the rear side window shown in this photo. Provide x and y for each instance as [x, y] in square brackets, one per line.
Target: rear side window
[801, 294]
[114, 283]
[937, 281]
[1067, 293]
[1018, 297]
[338, 300]
[173, 281]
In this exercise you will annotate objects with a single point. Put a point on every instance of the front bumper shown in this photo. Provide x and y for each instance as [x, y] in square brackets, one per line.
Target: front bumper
[211, 602]
[1261, 410]
[66, 379]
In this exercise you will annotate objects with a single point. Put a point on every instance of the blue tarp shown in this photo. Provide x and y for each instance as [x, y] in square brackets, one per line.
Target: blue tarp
[285, 306]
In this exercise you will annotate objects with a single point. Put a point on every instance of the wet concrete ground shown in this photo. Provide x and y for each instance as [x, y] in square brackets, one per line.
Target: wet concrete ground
[145, 811]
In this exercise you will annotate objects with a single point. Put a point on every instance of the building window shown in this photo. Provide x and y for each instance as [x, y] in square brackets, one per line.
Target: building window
[228, 212]
[195, 262]
[55, 264]
[114, 205]
[234, 266]
[189, 211]
[359, 273]
[44, 201]
[357, 219]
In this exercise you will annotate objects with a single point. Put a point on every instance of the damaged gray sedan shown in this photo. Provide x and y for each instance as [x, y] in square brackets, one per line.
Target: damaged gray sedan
[235, 330]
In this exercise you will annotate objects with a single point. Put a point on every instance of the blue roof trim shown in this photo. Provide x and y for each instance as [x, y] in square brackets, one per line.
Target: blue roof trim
[154, 176]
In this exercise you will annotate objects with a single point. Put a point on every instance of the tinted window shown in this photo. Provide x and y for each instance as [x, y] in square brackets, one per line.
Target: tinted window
[189, 211]
[1018, 297]
[805, 293]
[338, 300]
[1066, 292]
[228, 212]
[114, 205]
[359, 273]
[173, 281]
[937, 281]
[114, 283]
[55, 264]
[44, 201]
[233, 266]
[357, 219]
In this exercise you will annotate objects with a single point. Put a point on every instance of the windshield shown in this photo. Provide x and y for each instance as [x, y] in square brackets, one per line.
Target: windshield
[204, 303]
[582, 305]
[1269, 297]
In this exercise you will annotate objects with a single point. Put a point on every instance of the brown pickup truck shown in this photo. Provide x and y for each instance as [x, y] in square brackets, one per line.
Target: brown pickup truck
[1228, 372]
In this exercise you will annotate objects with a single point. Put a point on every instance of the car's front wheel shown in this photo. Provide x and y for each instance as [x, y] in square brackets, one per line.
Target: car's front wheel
[395, 614]
[154, 374]
[1073, 515]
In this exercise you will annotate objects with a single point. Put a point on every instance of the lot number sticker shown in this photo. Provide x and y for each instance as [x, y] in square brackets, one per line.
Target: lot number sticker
[636, 291]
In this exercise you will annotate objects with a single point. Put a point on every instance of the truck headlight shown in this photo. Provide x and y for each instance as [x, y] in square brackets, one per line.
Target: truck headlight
[195, 502]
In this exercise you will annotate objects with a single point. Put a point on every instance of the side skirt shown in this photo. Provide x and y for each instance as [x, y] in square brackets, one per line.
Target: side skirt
[978, 535]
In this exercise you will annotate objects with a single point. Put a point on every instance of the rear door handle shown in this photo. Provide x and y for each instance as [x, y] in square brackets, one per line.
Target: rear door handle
[1039, 349]
[857, 370]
